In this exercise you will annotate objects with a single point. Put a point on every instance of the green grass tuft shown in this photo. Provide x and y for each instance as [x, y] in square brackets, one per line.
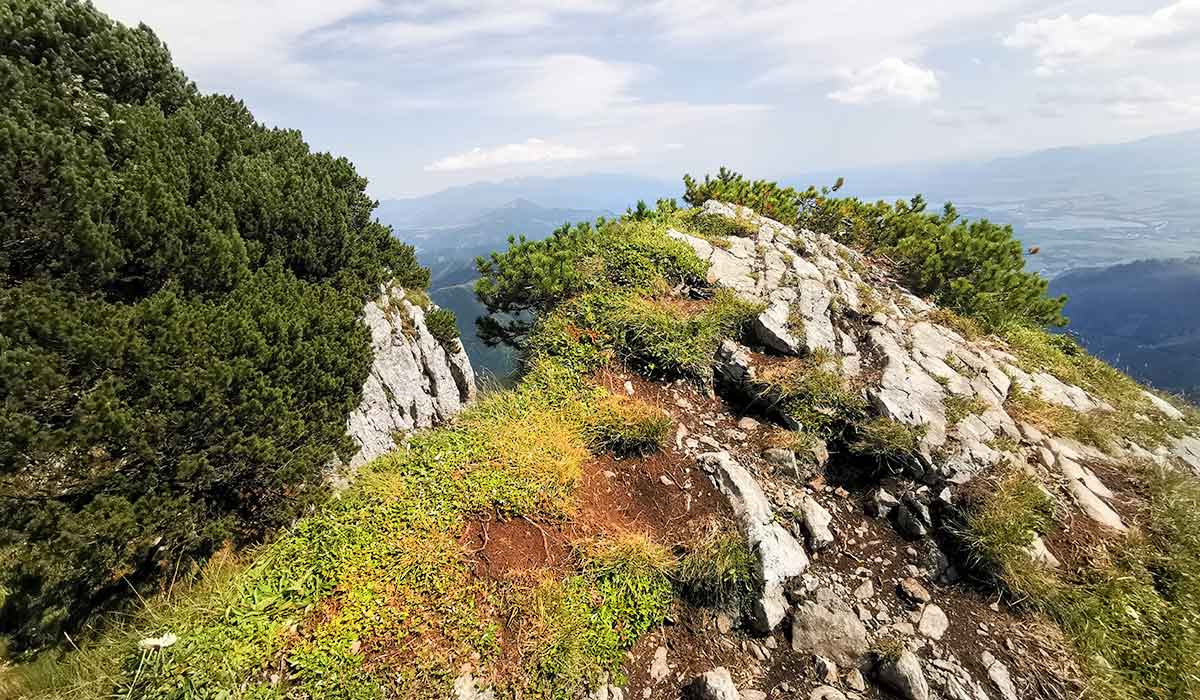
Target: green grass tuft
[719, 571]
[1131, 609]
[628, 426]
[959, 407]
[887, 440]
[578, 629]
[817, 397]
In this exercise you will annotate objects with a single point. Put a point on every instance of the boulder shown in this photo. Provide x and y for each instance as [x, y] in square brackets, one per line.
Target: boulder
[415, 382]
[780, 556]
[836, 635]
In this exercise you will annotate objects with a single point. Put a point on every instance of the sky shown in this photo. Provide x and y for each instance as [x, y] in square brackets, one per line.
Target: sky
[426, 94]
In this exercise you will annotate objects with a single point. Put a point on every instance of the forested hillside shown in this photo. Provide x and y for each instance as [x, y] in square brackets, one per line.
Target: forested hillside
[1141, 317]
[180, 342]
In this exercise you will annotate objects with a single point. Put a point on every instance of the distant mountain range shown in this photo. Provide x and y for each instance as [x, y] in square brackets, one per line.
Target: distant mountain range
[467, 203]
[1141, 317]
[1083, 207]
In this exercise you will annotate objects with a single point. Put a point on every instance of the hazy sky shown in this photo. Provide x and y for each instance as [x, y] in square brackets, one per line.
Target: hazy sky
[423, 94]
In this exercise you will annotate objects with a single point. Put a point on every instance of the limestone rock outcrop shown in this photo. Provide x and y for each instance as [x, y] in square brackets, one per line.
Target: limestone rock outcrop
[906, 358]
[415, 381]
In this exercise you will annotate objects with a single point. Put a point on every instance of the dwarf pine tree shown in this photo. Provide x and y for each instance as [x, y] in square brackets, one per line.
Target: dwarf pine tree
[180, 342]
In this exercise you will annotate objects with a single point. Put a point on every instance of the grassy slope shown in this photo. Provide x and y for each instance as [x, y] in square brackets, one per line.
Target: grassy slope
[372, 595]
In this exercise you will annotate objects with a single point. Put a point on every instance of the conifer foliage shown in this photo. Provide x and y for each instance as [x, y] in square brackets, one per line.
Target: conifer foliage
[180, 290]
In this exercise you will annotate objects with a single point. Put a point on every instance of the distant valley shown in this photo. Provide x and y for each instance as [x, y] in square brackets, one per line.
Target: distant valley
[1140, 317]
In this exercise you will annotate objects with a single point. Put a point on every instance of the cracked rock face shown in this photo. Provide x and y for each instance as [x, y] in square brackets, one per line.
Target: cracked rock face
[414, 382]
[819, 295]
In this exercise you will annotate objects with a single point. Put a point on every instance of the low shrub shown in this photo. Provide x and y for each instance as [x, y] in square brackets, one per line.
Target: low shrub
[443, 326]
[533, 277]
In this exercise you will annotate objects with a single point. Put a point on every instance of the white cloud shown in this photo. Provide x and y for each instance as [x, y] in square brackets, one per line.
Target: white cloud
[1060, 42]
[804, 40]
[571, 86]
[218, 39]
[1129, 97]
[527, 152]
[890, 79]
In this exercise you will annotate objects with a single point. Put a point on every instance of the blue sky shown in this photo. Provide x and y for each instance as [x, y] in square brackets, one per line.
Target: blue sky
[424, 94]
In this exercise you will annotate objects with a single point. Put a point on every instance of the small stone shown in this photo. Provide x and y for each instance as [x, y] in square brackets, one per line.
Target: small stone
[753, 695]
[855, 680]
[717, 684]
[934, 622]
[865, 591]
[770, 643]
[904, 675]
[841, 492]
[816, 523]
[999, 676]
[913, 592]
[781, 458]
[724, 623]
[706, 440]
[909, 522]
[881, 503]
[748, 424]
[666, 480]
[658, 667]
[827, 670]
[629, 388]
[826, 692]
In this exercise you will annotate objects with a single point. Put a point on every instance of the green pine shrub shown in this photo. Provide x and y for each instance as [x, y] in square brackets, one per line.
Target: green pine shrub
[180, 289]
[531, 277]
[766, 198]
[443, 326]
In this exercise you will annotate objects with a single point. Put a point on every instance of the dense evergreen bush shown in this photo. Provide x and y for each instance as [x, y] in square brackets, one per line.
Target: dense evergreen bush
[533, 276]
[179, 298]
